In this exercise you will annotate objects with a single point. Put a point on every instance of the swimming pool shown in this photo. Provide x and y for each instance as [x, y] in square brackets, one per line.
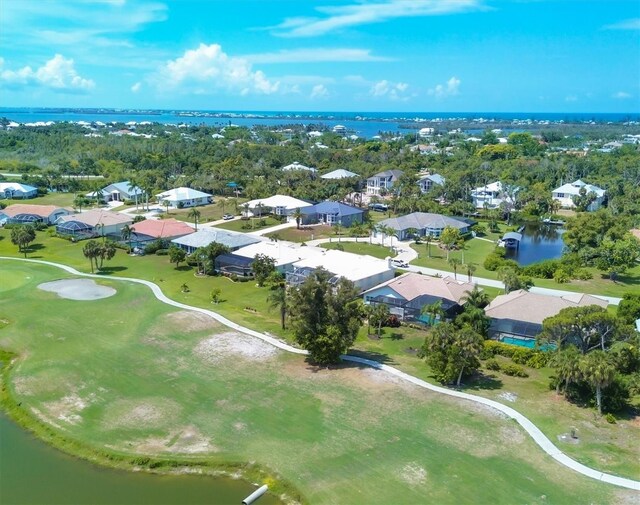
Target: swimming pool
[529, 343]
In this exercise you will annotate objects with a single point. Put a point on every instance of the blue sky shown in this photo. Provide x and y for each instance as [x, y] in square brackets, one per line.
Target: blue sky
[323, 55]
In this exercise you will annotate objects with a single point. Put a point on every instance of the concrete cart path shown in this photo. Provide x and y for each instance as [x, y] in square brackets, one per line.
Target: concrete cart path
[536, 434]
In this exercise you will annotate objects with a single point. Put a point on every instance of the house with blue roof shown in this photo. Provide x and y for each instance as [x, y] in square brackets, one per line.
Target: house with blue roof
[332, 213]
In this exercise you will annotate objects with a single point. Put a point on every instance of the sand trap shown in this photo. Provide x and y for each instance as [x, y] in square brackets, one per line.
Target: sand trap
[78, 289]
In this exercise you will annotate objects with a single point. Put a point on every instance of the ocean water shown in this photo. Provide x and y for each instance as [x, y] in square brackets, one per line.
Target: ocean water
[363, 124]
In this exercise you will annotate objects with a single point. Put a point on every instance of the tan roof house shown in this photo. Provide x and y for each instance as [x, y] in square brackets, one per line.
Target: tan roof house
[30, 213]
[95, 222]
[407, 294]
[520, 313]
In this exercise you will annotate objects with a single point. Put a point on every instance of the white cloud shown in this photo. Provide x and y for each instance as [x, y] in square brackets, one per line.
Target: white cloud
[336, 18]
[391, 90]
[136, 87]
[627, 24]
[207, 69]
[621, 95]
[451, 88]
[319, 91]
[314, 55]
[58, 74]
[571, 98]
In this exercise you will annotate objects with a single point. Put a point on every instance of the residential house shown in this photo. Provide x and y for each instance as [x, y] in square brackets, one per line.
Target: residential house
[280, 205]
[408, 294]
[17, 190]
[382, 182]
[491, 196]
[184, 197]
[340, 173]
[428, 181]
[206, 236]
[22, 213]
[154, 229]
[424, 223]
[118, 192]
[95, 222]
[332, 213]
[298, 166]
[519, 314]
[565, 193]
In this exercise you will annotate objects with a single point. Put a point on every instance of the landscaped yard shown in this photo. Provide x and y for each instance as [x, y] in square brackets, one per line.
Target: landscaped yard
[212, 212]
[304, 234]
[59, 199]
[249, 225]
[361, 247]
[127, 375]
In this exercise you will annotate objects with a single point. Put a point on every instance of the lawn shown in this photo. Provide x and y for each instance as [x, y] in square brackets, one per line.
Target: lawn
[363, 247]
[305, 233]
[249, 225]
[246, 304]
[156, 381]
[212, 212]
[59, 199]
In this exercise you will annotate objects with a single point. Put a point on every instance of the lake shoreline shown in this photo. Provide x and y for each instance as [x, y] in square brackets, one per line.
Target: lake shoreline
[251, 473]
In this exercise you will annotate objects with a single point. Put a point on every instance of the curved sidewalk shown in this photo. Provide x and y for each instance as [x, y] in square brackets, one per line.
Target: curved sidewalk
[535, 433]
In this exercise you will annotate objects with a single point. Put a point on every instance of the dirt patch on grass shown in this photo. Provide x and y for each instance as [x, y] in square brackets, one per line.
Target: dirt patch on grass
[186, 440]
[141, 414]
[217, 348]
[78, 289]
[413, 474]
[184, 321]
[68, 408]
[45, 383]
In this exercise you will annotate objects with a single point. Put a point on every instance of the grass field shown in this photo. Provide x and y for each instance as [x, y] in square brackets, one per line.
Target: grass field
[251, 224]
[304, 234]
[362, 247]
[213, 212]
[604, 446]
[129, 375]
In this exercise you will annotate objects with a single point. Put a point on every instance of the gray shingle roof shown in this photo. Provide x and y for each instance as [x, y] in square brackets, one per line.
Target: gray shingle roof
[206, 236]
[420, 220]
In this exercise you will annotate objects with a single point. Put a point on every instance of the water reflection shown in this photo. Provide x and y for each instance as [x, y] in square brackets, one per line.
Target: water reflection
[539, 242]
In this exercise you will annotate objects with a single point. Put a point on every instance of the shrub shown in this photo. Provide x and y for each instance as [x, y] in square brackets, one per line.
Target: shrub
[582, 274]
[514, 371]
[561, 276]
[522, 355]
[154, 246]
[542, 269]
[162, 252]
[610, 418]
[539, 359]
[492, 364]
[492, 262]
[392, 321]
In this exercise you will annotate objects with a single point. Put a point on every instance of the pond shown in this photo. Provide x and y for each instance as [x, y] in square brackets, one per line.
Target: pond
[33, 473]
[539, 242]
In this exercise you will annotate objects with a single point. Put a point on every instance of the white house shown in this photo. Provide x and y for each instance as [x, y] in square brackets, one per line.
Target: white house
[340, 173]
[565, 193]
[298, 166]
[118, 192]
[491, 196]
[428, 181]
[17, 190]
[280, 205]
[184, 197]
[382, 181]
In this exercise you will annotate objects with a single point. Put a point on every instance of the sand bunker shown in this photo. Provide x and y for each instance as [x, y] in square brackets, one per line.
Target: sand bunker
[78, 289]
[226, 345]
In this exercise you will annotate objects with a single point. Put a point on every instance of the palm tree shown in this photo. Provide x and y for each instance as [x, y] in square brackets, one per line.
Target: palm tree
[297, 215]
[567, 365]
[469, 344]
[195, 215]
[475, 318]
[471, 268]
[428, 238]
[245, 210]
[278, 299]
[476, 298]
[357, 230]
[434, 311]
[100, 228]
[338, 228]
[454, 263]
[133, 186]
[166, 204]
[371, 228]
[598, 370]
[412, 233]
[126, 233]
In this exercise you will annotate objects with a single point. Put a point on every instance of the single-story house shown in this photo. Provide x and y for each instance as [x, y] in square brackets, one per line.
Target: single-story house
[425, 223]
[154, 229]
[407, 294]
[280, 205]
[340, 173]
[520, 313]
[118, 192]
[428, 181]
[22, 213]
[565, 193]
[284, 253]
[17, 190]
[95, 222]
[491, 196]
[298, 166]
[331, 213]
[382, 181]
[205, 236]
[184, 197]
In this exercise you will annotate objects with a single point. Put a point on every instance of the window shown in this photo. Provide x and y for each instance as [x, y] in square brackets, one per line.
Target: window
[559, 195]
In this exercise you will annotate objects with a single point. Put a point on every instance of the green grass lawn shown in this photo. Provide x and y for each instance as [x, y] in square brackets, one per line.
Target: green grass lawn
[475, 251]
[59, 199]
[246, 304]
[362, 247]
[251, 224]
[213, 212]
[305, 233]
[128, 375]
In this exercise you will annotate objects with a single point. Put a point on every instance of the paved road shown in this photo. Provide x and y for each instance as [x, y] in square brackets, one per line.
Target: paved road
[539, 438]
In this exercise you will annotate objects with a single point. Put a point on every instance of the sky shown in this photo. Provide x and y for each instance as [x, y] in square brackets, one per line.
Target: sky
[322, 55]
